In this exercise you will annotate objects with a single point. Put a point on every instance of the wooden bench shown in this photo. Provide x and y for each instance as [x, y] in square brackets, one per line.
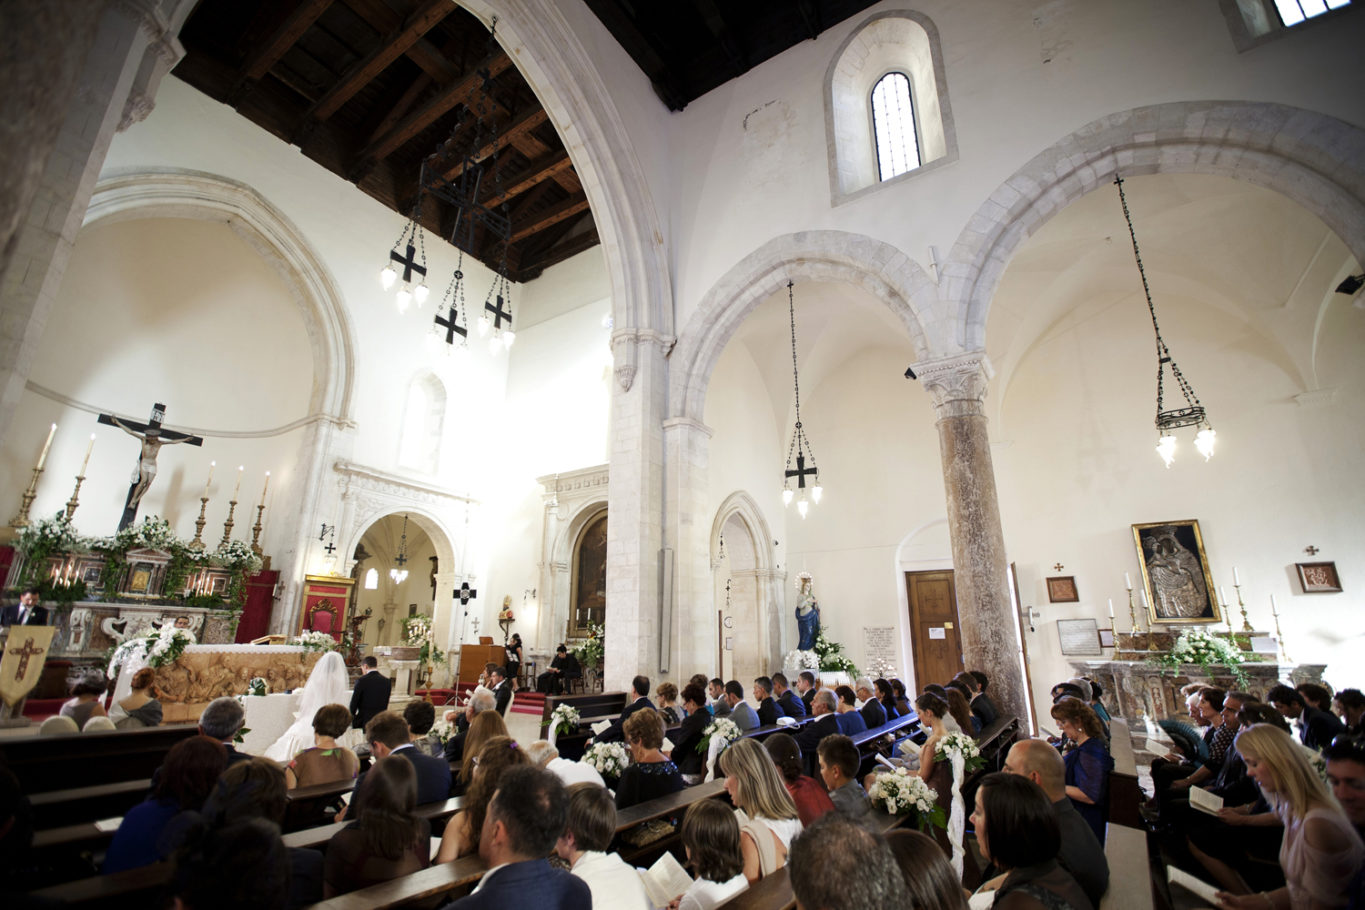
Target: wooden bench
[772, 892]
[121, 889]
[61, 808]
[440, 879]
[44, 763]
[1125, 795]
[316, 838]
[1130, 872]
[596, 705]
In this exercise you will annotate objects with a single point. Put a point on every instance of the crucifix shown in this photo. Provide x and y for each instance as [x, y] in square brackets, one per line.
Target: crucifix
[499, 314]
[153, 437]
[25, 653]
[801, 472]
[1311, 550]
[452, 329]
[466, 594]
[409, 263]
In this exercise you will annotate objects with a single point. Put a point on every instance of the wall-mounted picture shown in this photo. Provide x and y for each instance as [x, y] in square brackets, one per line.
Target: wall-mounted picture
[1061, 589]
[1175, 572]
[1079, 637]
[1106, 638]
[1318, 577]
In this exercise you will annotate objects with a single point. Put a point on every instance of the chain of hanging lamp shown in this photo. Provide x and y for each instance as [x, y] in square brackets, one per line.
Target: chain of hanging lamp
[800, 446]
[1193, 413]
[399, 572]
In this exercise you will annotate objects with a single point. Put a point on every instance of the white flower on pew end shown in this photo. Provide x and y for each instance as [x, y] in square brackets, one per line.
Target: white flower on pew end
[564, 719]
[442, 730]
[608, 759]
[723, 727]
[964, 744]
[900, 791]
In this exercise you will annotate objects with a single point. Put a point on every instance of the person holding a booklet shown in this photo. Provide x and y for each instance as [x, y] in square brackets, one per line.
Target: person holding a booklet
[588, 831]
[710, 835]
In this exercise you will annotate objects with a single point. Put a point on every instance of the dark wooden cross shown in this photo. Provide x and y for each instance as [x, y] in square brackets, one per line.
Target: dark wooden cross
[330, 548]
[1311, 550]
[466, 594]
[801, 472]
[499, 314]
[25, 653]
[1058, 567]
[153, 436]
[409, 263]
[452, 329]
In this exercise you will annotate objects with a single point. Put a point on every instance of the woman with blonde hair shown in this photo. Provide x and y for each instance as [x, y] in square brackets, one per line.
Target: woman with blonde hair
[767, 817]
[461, 834]
[484, 726]
[1321, 852]
[1088, 765]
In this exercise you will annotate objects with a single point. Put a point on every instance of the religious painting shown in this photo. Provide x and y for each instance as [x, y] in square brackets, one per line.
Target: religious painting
[1318, 577]
[139, 579]
[1175, 572]
[1061, 589]
[589, 601]
[218, 586]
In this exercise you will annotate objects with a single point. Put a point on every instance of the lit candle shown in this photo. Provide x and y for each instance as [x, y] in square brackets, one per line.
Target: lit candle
[1273, 611]
[1236, 578]
[88, 449]
[237, 489]
[1111, 609]
[42, 459]
[1223, 594]
[1144, 599]
[1127, 581]
[264, 488]
[209, 480]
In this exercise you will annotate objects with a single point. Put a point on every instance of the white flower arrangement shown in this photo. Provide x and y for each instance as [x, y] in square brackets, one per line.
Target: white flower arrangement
[564, 719]
[158, 647]
[608, 759]
[1195, 646]
[419, 634]
[237, 554]
[313, 640]
[442, 730]
[882, 669]
[801, 660]
[723, 727]
[900, 791]
[961, 743]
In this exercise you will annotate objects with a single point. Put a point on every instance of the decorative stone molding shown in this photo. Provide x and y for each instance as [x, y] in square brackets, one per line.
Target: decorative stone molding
[358, 480]
[1317, 398]
[957, 384]
[572, 500]
[624, 351]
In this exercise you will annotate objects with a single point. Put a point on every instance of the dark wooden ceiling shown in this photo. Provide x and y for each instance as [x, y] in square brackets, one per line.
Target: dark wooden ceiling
[688, 47]
[370, 88]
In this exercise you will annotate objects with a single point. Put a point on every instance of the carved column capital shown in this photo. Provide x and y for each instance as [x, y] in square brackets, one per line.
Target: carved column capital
[624, 351]
[957, 384]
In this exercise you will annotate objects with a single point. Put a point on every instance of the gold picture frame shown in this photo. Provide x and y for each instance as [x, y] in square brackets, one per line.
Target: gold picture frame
[1175, 573]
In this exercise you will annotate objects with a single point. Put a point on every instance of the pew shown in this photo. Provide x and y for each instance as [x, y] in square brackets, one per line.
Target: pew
[44, 763]
[590, 707]
[61, 808]
[1130, 873]
[1125, 794]
[772, 892]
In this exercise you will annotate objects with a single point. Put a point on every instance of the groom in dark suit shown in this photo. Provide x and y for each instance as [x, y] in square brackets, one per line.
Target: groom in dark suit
[27, 612]
[371, 694]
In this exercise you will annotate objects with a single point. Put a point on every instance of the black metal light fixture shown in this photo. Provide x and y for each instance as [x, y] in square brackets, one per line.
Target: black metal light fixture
[1192, 414]
[399, 572]
[800, 445]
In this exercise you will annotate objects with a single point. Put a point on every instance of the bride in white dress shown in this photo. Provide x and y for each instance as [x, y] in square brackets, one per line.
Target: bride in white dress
[328, 684]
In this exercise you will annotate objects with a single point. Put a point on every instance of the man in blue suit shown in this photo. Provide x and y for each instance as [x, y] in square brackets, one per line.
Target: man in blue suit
[387, 733]
[523, 823]
[741, 712]
[616, 732]
[786, 698]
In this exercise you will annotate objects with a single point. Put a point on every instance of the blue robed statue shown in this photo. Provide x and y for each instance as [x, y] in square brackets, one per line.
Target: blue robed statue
[807, 613]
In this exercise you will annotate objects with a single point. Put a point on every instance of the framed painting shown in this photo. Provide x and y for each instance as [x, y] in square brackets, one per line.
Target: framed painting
[1061, 589]
[1318, 577]
[1175, 573]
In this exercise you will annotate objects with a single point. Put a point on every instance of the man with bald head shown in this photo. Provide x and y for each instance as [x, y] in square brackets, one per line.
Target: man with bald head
[1081, 853]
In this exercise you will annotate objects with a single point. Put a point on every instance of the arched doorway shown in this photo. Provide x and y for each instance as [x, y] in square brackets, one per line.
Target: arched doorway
[746, 633]
[395, 597]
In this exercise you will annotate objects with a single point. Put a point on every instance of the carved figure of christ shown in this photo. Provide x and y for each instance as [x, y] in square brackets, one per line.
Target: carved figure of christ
[153, 436]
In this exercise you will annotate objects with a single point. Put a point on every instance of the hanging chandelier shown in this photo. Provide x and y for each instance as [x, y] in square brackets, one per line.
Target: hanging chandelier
[412, 260]
[1192, 414]
[398, 573]
[800, 445]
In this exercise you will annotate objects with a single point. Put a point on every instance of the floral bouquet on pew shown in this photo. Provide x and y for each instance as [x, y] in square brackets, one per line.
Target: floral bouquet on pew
[158, 647]
[964, 744]
[442, 730]
[724, 727]
[608, 759]
[901, 791]
[564, 720]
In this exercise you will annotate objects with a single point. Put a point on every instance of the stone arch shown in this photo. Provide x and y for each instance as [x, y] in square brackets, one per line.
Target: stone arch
[428, 521]
[881, 269]
[1316, 160]
[758, 582]
[560, 564]
[208, 197]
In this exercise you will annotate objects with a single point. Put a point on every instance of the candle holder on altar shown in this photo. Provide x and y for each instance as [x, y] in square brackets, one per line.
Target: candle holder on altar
[1279, 636]
[20, 519]
[227, 525]
[198, 542]
[75, 500]
[256, 531]
[1246, 623]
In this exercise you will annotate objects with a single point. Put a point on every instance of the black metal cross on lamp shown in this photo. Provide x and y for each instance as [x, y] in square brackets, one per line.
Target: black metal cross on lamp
[408, 262]
[451, 326]
[466, 593]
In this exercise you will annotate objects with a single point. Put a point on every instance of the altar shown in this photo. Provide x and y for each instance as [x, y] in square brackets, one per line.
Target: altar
[205, 672]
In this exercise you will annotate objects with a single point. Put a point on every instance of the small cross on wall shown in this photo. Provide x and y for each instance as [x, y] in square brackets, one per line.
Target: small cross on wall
[1311, 550]
[1058, 567]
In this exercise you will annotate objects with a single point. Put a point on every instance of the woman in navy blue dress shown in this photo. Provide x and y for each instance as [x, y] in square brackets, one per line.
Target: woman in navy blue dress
[1088, 765]
[651, 774]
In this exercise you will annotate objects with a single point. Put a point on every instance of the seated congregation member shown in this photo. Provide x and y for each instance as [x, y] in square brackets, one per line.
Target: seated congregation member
[1350, 707]
[651, 774]
[929, 879]
[1318, 696]
[420, 716]
[85, 701]
[826, 723]
[461, 835]
[903, 706]
[140, 708]
[587, 834]
[543, 754]
[183, 782]
[386, 840]
[1346, 776]
[326, 762]
[768, 819]
[839, 761]
[243, 864]
[1016, 829]
[934, 717]
[1088, 765]
[720, 707]
[480, 701]
[982, 708]
[387, 734]
[1321, 854]
[371, 693]
[960, 711]
[524, 821]
[500, 686]
[741, 712]
[1080, 852]
[768, 710]
[810, 798]
[1171, 780]
[691, 760]
[564, 667]
[616, 732]
[667, 694]
[874, 715]
[485, 726]
[710, 837]
[1096, 692]
[805, 687]
[839, 865]
[1315, 728]
[887, 698]
[786, 698]
[220, 721]
[850, 719]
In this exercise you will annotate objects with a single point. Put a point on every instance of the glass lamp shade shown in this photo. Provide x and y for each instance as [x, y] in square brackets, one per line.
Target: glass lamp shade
[787, 495]
[803, 506]
[495, 345]
[404, 298]
[485, 324]
[398, 575]
[387, 277]
[508, 336]
[420, 293]
[1203, 441]
[816, 492]
[1165, 447]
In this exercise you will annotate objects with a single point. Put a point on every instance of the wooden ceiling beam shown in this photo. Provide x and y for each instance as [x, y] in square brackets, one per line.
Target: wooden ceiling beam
[532, 264]
[395, 45]
[526, 120]
[543, 168]
[385, 21]
[553, 215]
[304, 14]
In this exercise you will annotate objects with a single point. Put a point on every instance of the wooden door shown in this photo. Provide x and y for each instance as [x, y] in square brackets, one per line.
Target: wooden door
[934, 632]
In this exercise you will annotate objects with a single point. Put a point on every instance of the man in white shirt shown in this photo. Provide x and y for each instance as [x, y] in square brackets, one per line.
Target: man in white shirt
[587, 834]
[542, 753]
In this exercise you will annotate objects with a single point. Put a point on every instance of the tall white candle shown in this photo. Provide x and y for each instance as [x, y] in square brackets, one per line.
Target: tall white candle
[1111, 609]
[266, 487]
[237, 489]
[1145, 606]
[88, 449]
[1273, 611]
[42, 459]
[209, 480]
[1127, 581]
[1223, 594]
[1236, 578]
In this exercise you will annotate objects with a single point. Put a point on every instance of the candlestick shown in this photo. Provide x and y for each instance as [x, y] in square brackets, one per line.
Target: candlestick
[1279, 636]
[20, 519]
[198, 542]
[212, 465]
[42, 459]
[1147, 609]
[256, 529]
[1227, 614]
[264, 488]
[227, 525]
[74, 501]
[1132, 620]
[1127, 581]
[1246, 623]
[237, 489]
[88, 449]
[1111, 611]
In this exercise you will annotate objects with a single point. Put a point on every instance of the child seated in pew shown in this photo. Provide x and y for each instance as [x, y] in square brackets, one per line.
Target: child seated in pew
[839, 761]
[710, 835]
[386, 840]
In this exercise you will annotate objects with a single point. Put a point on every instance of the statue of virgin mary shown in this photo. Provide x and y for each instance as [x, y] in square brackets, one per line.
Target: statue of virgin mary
[807, 613]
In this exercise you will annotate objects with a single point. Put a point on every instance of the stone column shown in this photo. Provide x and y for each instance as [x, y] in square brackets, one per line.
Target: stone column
[687, 444]
[980, 569]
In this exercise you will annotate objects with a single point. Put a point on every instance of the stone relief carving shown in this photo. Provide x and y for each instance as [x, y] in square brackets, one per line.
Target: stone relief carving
[957, 384]
[197, 679]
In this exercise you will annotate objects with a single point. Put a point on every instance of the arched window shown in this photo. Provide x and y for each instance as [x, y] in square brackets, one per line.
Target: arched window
[588, 600]
[371, 579]
[893, 126]
[424, 411]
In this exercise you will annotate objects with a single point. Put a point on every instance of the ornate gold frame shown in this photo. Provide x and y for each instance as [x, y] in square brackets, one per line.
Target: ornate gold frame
[1189, 526]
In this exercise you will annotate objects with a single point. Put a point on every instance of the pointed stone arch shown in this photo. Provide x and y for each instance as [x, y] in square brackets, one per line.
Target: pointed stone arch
[757, 598]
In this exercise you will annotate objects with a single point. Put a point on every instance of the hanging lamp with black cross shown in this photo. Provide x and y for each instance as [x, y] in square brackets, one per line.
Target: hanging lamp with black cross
[800, 445]
[412, 261]
[450, 316]
[399, 572]
[497, 309]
